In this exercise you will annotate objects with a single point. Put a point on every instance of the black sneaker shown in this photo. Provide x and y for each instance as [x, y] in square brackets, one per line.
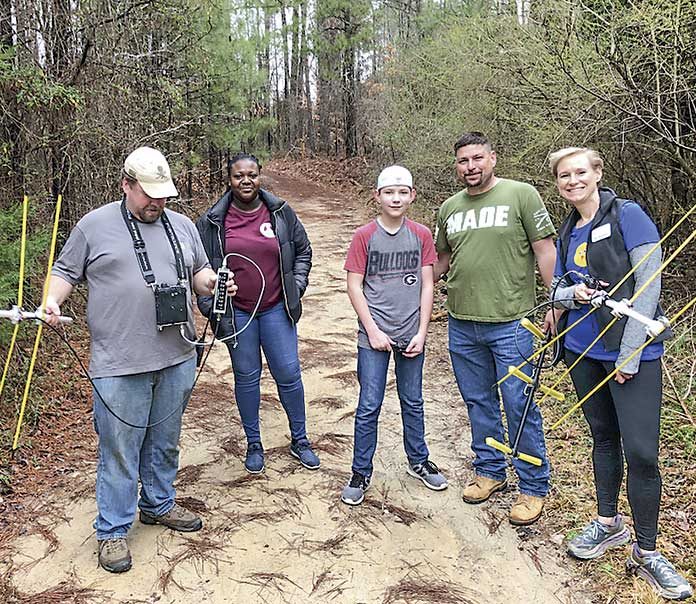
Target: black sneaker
[302, 450]
[660, 573]
[429, 474]
[354, 491]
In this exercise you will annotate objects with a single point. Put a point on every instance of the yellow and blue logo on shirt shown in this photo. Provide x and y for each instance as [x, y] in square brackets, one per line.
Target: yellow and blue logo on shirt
[580, 257]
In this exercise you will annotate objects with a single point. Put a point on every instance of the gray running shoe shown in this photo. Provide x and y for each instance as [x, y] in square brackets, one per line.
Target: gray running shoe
[429, 475]
[596, 538]
[354, 491]
[661, 575]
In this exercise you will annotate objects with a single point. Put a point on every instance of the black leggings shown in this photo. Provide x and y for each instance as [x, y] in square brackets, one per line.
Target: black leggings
[627, 414]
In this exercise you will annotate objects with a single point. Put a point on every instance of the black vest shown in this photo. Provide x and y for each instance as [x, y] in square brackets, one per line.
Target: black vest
[608, 260]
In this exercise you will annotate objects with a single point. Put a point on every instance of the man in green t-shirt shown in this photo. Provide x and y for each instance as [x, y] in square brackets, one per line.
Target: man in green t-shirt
[488, 237]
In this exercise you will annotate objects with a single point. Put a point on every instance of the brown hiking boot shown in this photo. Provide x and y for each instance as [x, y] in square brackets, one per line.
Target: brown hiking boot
[177, 519]
[526, 510]
[114, 555]
[481, 488]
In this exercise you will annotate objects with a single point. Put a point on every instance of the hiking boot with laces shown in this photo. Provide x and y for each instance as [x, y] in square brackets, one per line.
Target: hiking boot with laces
[177, 519]
[302, 450]
[660, 573]
[526, 510]
[481, 488]
[254, 462]
[114, 555]
[354, 492]
[597, 537]
[429, 474]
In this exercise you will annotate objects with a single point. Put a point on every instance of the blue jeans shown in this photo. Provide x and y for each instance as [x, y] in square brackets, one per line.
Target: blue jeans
[128, 453]
[273, 332]
[481, 354]
[372, 376]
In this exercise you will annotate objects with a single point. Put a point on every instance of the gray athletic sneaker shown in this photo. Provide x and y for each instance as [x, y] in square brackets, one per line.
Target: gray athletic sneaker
[661, 575]
[596, 538]
[428, 474]
[354, 492]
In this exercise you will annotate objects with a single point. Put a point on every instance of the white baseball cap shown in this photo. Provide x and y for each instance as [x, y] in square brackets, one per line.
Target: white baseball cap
[394, 176]
[150, 168]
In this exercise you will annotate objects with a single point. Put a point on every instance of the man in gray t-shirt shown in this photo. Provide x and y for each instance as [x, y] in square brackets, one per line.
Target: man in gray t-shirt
[142, 374]
[121, 307]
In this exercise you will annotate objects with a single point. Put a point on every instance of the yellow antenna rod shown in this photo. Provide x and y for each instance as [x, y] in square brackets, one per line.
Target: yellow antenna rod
[577, 405]
[20, 289]
[638, 292]
[39, 331]
[551, 342]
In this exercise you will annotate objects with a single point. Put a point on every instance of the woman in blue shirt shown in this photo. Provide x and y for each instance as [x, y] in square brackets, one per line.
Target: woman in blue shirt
[605, 237]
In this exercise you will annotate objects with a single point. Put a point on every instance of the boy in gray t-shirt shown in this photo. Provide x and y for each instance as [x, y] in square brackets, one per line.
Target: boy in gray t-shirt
[390, 285]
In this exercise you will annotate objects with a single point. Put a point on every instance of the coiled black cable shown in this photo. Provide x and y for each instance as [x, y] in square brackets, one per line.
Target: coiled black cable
[103, 400]
[589, 281]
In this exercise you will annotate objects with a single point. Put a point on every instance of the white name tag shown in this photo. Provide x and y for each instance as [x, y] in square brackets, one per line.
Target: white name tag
[601, 232]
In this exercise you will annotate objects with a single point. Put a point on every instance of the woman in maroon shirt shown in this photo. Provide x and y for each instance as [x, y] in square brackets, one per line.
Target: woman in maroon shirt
[252, 222]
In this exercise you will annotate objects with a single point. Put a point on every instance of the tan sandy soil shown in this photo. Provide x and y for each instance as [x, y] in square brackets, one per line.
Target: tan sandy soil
[284, 536]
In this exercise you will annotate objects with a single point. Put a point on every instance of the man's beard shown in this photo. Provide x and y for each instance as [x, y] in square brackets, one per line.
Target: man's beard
[149, 216]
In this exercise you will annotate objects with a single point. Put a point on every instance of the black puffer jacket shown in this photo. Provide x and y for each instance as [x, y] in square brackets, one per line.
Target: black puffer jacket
[295, 255]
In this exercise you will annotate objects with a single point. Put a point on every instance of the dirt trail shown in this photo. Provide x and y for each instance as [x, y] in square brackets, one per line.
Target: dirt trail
[284, 536]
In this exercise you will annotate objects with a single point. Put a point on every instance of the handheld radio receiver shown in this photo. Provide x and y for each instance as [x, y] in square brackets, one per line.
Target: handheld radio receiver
[220, 296]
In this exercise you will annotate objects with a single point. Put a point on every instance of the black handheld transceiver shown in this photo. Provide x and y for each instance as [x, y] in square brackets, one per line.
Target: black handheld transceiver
[220, 296]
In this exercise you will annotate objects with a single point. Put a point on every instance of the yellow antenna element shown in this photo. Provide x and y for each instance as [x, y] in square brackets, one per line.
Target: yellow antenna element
[529, 326]
[620, 367]
[37, 340]
[638, 292]
[664, 265]
[546, 346]
[512, 370]
[491, 442]
[20, 289]
[551, 342]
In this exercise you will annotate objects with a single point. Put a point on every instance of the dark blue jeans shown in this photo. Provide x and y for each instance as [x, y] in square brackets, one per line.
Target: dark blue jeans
[273, 332]
[481, 354]
[372, 376]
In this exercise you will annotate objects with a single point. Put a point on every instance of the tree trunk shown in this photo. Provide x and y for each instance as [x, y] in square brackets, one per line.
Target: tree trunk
[327, 74]
[349, 99]
[309, 122]
[350, 86]
[266, 58]
[287, 76]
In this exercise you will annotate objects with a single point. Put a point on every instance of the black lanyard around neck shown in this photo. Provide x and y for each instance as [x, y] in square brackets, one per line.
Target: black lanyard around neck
[141, 251]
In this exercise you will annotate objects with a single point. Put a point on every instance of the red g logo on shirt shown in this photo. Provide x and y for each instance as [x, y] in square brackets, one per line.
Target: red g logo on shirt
[267, 230]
